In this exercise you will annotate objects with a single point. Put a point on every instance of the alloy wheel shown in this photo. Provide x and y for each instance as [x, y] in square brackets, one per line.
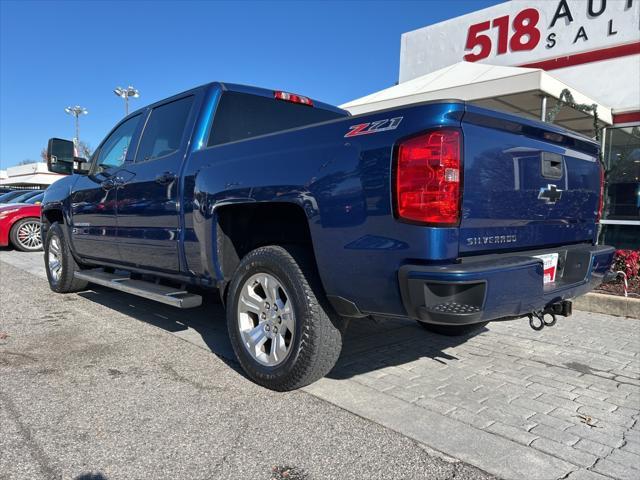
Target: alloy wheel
[54, 260]
[28, 235]
[266, 319]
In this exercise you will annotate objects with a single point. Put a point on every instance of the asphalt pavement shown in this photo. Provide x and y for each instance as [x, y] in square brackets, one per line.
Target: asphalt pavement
[103, 385]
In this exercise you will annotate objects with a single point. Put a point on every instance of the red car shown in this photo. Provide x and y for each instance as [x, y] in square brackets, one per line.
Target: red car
[20, 224]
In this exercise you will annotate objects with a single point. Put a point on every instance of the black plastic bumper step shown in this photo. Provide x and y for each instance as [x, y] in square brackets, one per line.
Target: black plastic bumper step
[454, 308]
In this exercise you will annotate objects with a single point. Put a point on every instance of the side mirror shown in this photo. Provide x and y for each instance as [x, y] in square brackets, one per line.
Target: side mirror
[60, 156]
[81, 166]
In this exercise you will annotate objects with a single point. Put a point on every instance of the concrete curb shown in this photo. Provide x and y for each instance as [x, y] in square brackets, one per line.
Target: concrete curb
[609, 304]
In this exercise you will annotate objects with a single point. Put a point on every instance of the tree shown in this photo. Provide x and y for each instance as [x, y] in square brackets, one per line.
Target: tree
[84, 150]
[26, 161]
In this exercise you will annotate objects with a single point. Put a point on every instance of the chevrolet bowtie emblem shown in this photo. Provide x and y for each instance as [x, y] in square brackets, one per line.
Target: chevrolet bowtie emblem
[551, 194]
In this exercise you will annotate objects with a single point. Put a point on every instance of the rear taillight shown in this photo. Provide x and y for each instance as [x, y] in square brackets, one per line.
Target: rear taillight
[601, 203]
[293, 98]
[428, 178]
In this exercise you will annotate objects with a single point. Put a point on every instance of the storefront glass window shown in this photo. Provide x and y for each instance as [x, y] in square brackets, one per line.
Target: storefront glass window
[621, 215]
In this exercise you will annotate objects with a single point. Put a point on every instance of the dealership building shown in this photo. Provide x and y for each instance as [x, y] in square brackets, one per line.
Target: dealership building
[573, 62]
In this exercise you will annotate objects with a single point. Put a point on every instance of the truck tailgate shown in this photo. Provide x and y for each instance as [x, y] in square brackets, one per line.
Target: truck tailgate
[526, 184]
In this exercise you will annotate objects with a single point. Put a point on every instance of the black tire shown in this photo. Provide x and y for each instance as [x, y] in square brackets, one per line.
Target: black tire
[28, 244]
[453, 330]
[56, 243]
[317, 338]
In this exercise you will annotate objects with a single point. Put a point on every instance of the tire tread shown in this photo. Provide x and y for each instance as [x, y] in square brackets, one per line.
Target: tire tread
[321, 338]
[68, 282]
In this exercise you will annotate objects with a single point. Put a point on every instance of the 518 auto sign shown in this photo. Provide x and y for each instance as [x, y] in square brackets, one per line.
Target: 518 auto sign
[560, 27]
[524, 30]
[515, 34]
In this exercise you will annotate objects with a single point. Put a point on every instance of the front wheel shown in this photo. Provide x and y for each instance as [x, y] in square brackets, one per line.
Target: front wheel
[25, 235]
[59, 262]
[282, 331]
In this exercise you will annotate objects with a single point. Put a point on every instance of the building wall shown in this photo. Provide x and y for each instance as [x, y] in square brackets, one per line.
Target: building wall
[32, 174]
[592, 45]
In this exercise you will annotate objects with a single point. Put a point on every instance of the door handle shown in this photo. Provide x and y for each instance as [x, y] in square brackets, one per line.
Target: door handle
[108, 184]
[552, 165]
[165, 178]
[113, 182]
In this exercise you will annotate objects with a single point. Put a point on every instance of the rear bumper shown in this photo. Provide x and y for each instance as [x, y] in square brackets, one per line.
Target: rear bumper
[490, 287]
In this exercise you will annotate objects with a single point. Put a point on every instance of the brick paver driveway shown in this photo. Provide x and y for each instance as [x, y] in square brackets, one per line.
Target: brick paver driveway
[560, 403]
[514, 402]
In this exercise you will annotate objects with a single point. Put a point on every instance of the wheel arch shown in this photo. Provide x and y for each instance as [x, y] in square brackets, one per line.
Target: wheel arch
[242, 227]
[55, 212]
[51, 215]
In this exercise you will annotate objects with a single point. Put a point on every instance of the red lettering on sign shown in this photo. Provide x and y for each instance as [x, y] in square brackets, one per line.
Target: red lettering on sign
[522, 29]
[474, 39]
[526, 35]
[502, 24]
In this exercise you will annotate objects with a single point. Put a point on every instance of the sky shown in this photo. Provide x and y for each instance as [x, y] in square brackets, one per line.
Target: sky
[54, 54]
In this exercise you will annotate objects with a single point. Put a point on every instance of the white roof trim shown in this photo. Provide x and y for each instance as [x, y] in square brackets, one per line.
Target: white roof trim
[35, 179]
[470, 81]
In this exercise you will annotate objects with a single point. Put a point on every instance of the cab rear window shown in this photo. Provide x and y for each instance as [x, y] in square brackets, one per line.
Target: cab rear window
[240, 116]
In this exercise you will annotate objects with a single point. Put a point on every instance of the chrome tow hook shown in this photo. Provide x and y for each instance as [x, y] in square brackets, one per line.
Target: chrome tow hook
[539, 320]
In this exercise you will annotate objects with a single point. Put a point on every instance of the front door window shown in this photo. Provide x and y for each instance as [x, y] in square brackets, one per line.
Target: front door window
[113, 152]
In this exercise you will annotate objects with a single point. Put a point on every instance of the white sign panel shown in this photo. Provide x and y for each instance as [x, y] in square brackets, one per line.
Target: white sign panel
[548, 34]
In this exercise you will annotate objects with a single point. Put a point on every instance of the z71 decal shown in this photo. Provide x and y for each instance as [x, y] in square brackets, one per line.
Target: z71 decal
[374, 127]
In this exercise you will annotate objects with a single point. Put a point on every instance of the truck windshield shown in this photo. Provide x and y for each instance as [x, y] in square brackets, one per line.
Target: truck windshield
[241, 116]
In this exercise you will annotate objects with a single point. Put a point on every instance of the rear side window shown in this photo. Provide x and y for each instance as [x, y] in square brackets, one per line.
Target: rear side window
[241, 116]
[163, 132]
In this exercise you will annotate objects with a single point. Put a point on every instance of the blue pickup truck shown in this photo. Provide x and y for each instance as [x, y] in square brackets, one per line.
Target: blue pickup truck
[302, 216]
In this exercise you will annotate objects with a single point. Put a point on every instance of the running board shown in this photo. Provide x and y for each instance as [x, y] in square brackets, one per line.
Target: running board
[152, 291]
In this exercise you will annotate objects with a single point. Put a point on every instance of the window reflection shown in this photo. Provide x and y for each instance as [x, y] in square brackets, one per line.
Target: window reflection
[621, 216]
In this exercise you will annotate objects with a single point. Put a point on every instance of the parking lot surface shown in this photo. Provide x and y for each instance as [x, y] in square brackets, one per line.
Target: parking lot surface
[90, 384]
[100, 392]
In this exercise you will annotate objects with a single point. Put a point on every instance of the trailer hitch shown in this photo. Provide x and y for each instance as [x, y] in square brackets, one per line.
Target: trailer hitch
[548, 316]
[540, 319]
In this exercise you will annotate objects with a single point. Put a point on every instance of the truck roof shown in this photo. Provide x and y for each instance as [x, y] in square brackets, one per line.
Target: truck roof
[236, 87]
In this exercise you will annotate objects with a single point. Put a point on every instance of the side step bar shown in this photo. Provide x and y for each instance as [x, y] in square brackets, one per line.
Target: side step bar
[152, 291]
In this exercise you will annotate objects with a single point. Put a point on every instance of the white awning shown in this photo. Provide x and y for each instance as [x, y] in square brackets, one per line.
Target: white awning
[512, 89]
[31, 180]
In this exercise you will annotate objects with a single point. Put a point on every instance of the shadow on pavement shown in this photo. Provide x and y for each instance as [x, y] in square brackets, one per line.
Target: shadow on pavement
[204, 326]
[368, 345]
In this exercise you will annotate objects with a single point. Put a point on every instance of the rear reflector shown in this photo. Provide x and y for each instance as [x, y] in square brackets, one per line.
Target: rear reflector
[293, 98]
[428, 178]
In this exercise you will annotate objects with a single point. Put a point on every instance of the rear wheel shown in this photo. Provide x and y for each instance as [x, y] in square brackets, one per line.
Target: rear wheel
[59, 263]
[282, 331]
[453, 330]
[25, 234]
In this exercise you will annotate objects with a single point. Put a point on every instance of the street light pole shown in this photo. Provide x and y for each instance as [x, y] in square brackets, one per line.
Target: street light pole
[125, 93]
[76, 112]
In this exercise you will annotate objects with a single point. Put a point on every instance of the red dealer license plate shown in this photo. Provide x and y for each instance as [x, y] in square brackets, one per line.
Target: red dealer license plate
[550, 261]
